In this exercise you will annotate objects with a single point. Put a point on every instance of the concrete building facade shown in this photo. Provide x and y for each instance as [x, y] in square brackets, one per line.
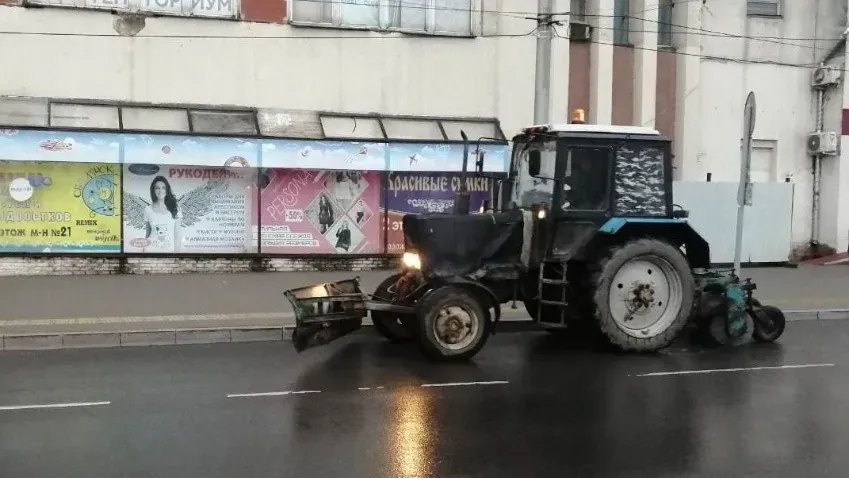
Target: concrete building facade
[318, 69]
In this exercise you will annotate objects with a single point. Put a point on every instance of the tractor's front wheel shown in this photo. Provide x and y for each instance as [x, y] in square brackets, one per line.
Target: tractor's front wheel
[389, 325]
[453, 324]
[644, 294]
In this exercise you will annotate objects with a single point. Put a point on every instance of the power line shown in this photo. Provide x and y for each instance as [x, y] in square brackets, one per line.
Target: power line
[708, 57]
[632, 15]
[380, 36]
[371, 34]
[736, 35]
[365, 35]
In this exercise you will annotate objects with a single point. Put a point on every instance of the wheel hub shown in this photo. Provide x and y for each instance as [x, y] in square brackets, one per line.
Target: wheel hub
[640, 298]
[453, 326]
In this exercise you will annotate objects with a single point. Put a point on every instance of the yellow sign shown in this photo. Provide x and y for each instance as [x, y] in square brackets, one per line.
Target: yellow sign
[65, 207]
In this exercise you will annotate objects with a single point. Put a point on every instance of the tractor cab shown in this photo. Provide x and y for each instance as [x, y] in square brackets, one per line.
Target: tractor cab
[574, 179]
[590, 171]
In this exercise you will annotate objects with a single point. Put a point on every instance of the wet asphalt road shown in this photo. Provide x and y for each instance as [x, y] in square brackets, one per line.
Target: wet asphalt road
[371, 409]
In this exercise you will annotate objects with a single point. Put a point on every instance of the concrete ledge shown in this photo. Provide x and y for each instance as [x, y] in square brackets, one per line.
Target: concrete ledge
[817, 314]
[96, 339]
[226, 333]
[32, 342]
[139, 338]
[147, 337]
[202, 336]
[256, 334]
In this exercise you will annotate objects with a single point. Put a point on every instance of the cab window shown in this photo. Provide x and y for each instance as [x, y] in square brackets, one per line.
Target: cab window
[529, 190]
[586, 179]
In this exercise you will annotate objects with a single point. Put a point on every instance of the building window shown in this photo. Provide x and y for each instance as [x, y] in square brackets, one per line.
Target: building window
[154, 119]
[764, 7]
[449, 17]
[350, 127]
[621, 22]
[68, 115]
[344, 125]
[664, 23]
[24, 112]
[223, 122]
[578, 11]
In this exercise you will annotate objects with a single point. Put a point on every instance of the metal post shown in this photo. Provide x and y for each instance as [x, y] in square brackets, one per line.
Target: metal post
[543, 62]
[744, 191]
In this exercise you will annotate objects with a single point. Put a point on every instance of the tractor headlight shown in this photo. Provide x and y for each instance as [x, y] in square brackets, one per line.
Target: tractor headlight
[411, 260]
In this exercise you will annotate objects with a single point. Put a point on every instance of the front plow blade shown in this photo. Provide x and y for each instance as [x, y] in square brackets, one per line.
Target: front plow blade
[326, 312]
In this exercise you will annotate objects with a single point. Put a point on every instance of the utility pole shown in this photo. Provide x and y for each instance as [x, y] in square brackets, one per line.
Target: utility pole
[542, 90]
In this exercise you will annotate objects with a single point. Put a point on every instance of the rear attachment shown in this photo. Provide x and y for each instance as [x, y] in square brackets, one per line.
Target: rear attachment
[326, 312]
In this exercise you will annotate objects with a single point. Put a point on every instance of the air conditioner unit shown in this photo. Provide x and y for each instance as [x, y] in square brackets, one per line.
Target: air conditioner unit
[824, 143]
[824, 76]
[580, 31]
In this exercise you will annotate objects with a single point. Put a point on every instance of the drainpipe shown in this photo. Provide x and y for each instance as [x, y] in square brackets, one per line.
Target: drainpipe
[817, 171]
[817, 159]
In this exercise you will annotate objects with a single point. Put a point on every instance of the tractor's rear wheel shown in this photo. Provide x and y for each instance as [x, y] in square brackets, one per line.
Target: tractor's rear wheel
[453, 324]
[389, 325]
[643, 297]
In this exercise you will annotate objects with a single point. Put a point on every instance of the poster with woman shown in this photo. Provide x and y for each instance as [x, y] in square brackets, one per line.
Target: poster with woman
[186, 209]
[321, 212]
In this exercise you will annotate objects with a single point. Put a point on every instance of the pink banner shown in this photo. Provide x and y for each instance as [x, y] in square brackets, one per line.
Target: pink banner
[321, 212]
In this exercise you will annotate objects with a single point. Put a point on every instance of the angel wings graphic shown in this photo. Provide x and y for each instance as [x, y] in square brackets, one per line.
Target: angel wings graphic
[193, 205]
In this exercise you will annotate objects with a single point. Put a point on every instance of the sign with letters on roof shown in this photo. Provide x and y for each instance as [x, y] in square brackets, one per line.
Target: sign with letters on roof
[187, 8]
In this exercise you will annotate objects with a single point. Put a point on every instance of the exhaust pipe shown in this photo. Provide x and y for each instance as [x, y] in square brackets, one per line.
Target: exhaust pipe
[462, 201]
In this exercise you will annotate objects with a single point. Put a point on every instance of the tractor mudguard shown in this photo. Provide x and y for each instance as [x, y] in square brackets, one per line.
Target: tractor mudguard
[675, 230]
[473, 285]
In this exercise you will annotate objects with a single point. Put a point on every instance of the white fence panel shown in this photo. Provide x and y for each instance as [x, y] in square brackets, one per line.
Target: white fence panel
[767, 226]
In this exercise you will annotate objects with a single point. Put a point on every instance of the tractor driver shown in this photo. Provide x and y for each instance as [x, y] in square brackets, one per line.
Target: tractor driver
[585, 180]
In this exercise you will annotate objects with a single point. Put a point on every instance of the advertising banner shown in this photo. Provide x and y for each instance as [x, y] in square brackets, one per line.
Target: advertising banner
[188, 209]
[59, 207]
[436, 157]
[175, 150]
[426, 193]
[59, 146]
[321, 155]
[321, 212]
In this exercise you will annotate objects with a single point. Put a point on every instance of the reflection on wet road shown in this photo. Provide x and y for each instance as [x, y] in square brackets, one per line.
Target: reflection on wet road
[529, 405]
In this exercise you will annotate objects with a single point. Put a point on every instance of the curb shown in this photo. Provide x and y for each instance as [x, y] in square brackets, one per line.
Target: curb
[228, 334]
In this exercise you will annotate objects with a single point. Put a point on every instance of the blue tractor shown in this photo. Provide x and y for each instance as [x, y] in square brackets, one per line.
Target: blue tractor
[583, 231]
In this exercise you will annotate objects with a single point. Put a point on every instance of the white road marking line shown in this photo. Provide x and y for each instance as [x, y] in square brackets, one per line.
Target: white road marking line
[54, 405]
[741, 369]
[272, 394]
[464, 384]
[364, 388]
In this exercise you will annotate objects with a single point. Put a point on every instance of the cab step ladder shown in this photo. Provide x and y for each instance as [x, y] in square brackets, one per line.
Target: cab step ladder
[553, 273]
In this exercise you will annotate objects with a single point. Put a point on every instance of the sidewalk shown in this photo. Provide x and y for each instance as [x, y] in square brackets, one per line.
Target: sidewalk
[253, 302]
